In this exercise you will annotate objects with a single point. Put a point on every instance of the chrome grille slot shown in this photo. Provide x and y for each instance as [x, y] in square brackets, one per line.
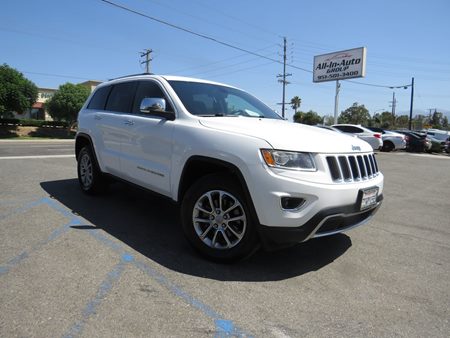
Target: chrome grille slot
[345, 168]
[352, 168]
[368, 166]
[334, 168]
[362, 167]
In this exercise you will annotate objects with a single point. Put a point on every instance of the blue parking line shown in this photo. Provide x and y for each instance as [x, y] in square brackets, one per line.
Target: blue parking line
[5, 268]
[91, 308]
[25, 208]
[224, 328]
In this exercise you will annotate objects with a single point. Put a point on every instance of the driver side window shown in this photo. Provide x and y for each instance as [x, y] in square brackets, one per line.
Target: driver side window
[148, 89]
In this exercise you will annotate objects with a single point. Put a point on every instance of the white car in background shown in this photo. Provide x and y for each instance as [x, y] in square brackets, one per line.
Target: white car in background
[391, 139]
[373, 138]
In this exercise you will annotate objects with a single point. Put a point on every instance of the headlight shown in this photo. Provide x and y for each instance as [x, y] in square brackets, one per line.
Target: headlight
[288, 160]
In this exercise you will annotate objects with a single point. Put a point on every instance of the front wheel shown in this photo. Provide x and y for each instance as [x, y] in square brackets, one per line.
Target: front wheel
[217, 221]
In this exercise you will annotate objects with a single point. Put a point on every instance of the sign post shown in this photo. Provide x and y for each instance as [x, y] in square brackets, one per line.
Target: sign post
[346, 64]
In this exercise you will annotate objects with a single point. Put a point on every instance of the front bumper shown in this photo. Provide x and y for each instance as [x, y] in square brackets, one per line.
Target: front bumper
[325, 223]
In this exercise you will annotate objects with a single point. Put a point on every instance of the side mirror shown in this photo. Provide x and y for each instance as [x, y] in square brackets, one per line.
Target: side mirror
[157, 107]
[152, 104]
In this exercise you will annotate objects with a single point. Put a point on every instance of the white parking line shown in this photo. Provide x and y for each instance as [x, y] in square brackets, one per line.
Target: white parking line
[441, 157]
[34, 157]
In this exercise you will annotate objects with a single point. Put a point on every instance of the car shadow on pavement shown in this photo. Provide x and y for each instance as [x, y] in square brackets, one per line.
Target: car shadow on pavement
[150, 225]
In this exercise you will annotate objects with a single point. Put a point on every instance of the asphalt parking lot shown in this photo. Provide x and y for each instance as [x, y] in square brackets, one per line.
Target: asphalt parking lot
[117, 265]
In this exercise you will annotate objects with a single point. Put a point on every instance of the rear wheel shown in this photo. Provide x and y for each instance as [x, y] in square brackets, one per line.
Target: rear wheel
[217, 221]
[89, 175]
[387, 146]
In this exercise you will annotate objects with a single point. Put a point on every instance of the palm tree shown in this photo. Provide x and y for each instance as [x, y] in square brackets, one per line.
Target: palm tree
[295, 103]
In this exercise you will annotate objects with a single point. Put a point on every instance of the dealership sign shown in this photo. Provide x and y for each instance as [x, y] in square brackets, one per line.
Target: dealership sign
[341, 65]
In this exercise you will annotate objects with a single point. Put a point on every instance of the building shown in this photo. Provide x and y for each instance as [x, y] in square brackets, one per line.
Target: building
[38, 111]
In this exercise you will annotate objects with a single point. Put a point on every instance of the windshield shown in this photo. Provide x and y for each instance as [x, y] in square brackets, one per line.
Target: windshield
[438, 136]
[204, 99]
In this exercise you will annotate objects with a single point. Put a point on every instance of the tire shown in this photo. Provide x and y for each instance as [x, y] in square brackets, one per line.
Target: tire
[217, 221]
[388, 146]
[89, 175]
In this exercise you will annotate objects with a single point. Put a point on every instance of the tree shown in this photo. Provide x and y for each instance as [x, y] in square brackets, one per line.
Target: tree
[65, 104]
[419, 121]
[402, 121]
[295, 103]
[445, 122]
[311, 118]
[356, 114]
[17, 93]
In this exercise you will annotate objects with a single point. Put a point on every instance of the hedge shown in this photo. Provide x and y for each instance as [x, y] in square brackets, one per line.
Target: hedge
[33, 123]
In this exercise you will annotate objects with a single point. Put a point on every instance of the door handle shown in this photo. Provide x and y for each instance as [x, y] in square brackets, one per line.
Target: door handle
[128, 122]
[97, 117]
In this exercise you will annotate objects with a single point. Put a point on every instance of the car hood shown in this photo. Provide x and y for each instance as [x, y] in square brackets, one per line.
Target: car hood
[284, 135]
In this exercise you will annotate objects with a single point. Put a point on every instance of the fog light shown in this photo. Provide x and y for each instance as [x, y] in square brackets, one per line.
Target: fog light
[291, 203]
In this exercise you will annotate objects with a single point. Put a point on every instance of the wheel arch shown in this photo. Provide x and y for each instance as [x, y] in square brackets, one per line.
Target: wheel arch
[200, 166]
[83, 140]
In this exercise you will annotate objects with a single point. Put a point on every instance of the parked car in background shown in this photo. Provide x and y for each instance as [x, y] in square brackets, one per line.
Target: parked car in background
[328, 128]
[438, 139]
[391, 139]
[436, 146]
[447, 145]
[415, 142]
[373, 138]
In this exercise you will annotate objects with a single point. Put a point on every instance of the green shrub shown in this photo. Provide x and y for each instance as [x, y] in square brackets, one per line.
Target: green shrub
[34, 123]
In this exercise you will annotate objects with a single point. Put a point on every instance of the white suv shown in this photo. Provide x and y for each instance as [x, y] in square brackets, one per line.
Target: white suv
[243, 176]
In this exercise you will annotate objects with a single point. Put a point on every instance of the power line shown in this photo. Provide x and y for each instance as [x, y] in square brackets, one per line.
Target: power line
[201, 35]
[222, 61]
[176, 9]
[226, 66]
[226, 44]
[245, 22]
[57, 75]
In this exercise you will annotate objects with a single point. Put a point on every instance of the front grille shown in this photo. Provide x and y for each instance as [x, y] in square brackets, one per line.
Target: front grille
[351, 168]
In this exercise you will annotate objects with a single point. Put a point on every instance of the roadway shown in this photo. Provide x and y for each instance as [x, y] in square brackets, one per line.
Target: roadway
[117, 265]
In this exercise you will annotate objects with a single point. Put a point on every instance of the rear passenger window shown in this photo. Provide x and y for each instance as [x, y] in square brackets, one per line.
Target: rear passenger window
[121, 97]
[148, 89]
[350, 129]
[98, 101]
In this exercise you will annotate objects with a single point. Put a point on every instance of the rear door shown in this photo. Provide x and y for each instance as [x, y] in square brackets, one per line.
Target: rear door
[112, 125]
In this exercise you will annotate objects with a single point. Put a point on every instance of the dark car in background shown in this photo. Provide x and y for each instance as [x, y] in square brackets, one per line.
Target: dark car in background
[438, 139]
[415, 142]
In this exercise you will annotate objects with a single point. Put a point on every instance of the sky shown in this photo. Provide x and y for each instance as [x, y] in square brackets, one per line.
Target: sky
[57, 41]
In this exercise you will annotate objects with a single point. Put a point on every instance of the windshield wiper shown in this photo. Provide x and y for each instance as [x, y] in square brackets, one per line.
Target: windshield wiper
[216, 115]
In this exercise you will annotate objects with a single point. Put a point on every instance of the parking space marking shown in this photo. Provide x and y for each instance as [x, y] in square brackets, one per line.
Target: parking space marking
[26, 207]
[5, 268]
[34, 157]
[91, 308]
[223, 327]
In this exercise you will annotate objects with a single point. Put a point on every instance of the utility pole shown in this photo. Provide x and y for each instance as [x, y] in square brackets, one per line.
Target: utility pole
[411, 105]
[147, 60]
[283, 79]
[394, 103]
[336, 101]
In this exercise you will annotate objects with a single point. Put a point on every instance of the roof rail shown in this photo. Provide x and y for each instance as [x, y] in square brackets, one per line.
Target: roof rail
[121, 77]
